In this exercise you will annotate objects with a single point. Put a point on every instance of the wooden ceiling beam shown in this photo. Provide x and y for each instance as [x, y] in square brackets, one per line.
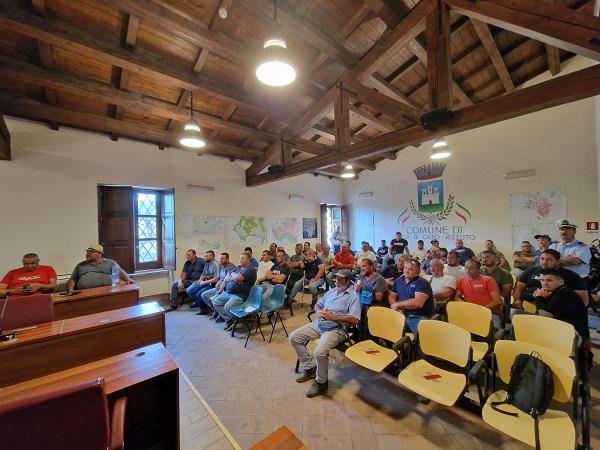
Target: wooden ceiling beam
[557, 91]
[485, 36]
[5, 153]
[395, 110]
[341, 117]
[370, 120]
[441, 85]
[553, 57]
[377, 81]
[561, 27]
[19, 106]
[87, 88]
[102, 48]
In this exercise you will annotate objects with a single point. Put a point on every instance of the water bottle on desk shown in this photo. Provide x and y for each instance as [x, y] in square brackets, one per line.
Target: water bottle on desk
[115, 274]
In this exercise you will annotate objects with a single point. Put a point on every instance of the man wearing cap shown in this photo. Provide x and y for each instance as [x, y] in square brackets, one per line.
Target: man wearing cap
[95, 271]
[29, 279]
[339, 306]
[413, 296]
[574, 255]
[544, 242]
[192, 270]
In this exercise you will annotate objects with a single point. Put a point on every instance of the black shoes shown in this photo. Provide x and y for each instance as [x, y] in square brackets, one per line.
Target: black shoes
[306, 375]
[219, 320]
[317, 389]
[229, 325]
[193, 305]
[204, 312]
[214, 316]
[171, 308]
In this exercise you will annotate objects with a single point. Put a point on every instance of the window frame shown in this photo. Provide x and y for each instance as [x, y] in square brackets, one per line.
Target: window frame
[158, 263]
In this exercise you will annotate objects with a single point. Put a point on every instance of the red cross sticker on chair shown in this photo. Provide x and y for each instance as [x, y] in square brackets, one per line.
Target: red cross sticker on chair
[432, 377]
[372, 352]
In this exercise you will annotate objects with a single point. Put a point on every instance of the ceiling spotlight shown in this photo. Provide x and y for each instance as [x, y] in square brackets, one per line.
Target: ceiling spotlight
[192, 134]
[222, 13]
[440, 149]
[347, 171]
[275, 67]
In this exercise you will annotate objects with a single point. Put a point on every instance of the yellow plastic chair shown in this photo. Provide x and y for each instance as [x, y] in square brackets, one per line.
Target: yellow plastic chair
[385, 323]
[529, 307]
[475, 319]
[557, 430]
[547, 332]
[443, 341]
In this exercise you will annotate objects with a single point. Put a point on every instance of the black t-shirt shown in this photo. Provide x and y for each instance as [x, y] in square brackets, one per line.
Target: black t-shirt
[382, 251]
[567, 306]
[278, 270]
[531, 278]
[398, 246]
[311, 269]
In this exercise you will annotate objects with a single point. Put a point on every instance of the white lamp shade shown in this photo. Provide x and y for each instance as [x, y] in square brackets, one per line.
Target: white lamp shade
[192, 135]
[275, 68]
[440, 149]
[348, 172]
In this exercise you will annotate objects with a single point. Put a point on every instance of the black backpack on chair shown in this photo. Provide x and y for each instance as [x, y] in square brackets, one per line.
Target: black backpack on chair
[530, 389]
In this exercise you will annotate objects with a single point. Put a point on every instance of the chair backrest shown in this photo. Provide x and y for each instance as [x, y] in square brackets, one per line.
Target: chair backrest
[529, 307]
[474, 318]
[71, 417]
[254, 297]
[562, 366]
[550, 333]
[25, 311]
[444, 340]
[386, 323]
[278, 295]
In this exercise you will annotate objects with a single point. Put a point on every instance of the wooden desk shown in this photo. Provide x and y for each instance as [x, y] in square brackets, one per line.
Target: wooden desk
[147, 376]
[62, 344]
[95, 300]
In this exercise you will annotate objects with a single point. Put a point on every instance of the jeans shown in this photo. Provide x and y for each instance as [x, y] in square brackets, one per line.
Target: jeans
[267, 290]
[206, 295]
[224, 303]
[312, 287]
[195, 291]
[327, 341]
[412, 320]
[175, 290]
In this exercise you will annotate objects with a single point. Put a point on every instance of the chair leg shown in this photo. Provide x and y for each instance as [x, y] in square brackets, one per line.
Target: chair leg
[235, 321]
[297, 365]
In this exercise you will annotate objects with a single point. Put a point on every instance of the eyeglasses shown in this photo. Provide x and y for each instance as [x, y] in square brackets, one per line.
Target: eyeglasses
[471, 268]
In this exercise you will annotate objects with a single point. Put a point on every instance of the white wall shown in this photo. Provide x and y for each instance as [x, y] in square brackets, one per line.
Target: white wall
[49, 192]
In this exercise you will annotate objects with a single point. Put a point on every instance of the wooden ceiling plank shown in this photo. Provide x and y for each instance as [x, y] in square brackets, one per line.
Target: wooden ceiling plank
[439, 67]
[485, 35]
[39, 7]
[561, 27]
[553, 57]
[370, 120]
[103, 92]
[24, 107]
[384, 104]
[61, 33]
[378, 82]
[557, 91]
[200, 60]
[133, 24]
[5, 153]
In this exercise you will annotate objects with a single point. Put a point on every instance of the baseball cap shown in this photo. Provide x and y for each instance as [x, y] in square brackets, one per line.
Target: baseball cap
[565, 223]
[95, 248]
[545, 236]
[435, 240]
[343, 273]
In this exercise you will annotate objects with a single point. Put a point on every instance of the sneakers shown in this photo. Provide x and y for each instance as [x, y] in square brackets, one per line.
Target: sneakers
[171, 308]
[317, 389]
[306, 375]
[229, 325]
[204, 312]
[214, 316]
[194, 305]
[219, 320]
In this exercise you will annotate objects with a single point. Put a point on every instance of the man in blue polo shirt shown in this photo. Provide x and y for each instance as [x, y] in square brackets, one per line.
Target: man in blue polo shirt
[574, 255]
[413, 296]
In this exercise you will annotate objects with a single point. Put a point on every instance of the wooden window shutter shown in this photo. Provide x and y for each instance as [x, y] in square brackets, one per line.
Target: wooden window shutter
[116, 225]
[168, 216]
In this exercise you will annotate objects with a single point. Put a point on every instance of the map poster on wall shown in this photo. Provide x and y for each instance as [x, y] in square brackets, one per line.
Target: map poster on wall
[246, 231]
[203, 225]
[283, 230]
[203, 243]
[534, 213]
[309, 228]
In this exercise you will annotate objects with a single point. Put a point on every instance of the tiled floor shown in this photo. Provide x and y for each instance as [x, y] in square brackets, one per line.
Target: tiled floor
[253, 392]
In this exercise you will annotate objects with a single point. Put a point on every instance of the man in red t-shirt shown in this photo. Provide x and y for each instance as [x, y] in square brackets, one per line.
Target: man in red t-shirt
[29, 279]
[480, 289]
[342, 260]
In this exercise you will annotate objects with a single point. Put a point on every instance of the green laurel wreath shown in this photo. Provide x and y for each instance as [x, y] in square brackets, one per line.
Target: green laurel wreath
[433, 218]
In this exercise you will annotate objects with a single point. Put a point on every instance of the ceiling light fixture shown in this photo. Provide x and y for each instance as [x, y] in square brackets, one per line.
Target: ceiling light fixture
[192, 134]
[347, 170]
[440, 149]
[296, 198]
[275, 68]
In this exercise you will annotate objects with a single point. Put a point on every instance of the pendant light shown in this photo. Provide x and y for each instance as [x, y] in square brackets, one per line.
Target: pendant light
[347, 170]
[275, 67]
[192, 134]
[440, 149]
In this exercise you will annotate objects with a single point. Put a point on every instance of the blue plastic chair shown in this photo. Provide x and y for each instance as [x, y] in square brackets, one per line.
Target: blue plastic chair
[272, 306]
[248, 311]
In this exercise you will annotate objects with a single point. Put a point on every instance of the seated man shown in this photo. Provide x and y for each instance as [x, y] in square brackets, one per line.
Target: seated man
[413, 296]
[393, 271]
[338, 307]
[382, 251]
[95, 271]
[491, 247]
[253, 260]
[523, 259]
[443, 286]
[364, 253]
[529, 281]
[208, 279]
[30, 279]
[371, 281]
[192, 269]
[503, 278]
[265, 264]
[453, 268]
[343, 260]
[235, 290]
[326, 257]
[278, 274]
[280, 249]
[420, 253]
[434, 253]
[225, 268]
[296, 271]
[556, 300]
[273, 251]
[464, 253]
[480, 289]
[313, 276]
